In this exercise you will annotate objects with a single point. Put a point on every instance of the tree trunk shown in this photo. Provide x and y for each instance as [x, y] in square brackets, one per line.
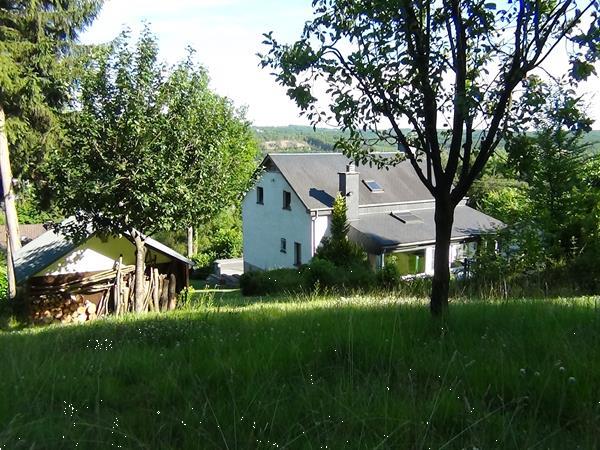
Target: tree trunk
[444, 217]
[190, 241]
[12, 224]
[140, 253]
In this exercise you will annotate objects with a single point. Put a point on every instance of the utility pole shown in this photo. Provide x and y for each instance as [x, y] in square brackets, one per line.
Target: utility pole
[13, 242]
[190, 242]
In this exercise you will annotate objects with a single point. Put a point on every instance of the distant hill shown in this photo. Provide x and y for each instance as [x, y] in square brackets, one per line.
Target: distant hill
[296, 138]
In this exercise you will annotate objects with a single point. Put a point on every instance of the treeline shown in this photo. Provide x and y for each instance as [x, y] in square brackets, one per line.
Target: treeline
[297, 138]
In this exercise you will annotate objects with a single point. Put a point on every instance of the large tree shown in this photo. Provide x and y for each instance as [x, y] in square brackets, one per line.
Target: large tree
[448, 64]
[37, 38]
[150, 148]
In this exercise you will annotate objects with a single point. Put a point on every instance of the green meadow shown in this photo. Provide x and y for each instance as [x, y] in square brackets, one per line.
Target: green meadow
[309, 372]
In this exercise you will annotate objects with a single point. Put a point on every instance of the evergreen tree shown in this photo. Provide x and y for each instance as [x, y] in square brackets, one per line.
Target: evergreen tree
[38, 39]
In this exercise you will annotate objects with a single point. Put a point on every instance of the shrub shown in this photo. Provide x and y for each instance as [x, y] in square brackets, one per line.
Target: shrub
[3, 284]
[271, 282]
[337, 248]
[389, 277]
[320, 272]
[203, 263]
[357, 276]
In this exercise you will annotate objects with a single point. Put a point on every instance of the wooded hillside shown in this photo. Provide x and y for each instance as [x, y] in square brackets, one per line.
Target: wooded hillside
[297, 138]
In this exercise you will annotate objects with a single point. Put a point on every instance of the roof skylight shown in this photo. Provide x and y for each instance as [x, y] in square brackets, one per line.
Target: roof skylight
[373, 186]
[407, 217]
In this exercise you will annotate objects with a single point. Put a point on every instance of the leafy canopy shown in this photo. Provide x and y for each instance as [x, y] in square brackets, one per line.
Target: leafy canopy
[150, 148]
[453, 64]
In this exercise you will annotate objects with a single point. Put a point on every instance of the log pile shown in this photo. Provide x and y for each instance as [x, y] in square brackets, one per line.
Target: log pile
[60, 309]
[84, 297]
[160, 292]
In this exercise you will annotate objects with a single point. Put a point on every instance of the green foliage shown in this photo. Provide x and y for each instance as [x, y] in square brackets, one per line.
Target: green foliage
[295, 138]
[547, 190]
[3, 284]
[271, 282]
[219, 238]
[150, 148]
[389, 277]
[337, 248]
[37, 54]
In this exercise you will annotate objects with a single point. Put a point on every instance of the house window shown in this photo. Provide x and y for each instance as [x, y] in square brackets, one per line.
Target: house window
[287, 200]
[297, 254]
[259, 195]
[283, 248]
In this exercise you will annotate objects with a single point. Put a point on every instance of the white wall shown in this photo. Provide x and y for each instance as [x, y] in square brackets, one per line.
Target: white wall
[321, 230]
[264, 225]
[429, 255]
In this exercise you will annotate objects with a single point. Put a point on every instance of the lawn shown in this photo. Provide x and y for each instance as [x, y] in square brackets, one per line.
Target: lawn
[309, 372]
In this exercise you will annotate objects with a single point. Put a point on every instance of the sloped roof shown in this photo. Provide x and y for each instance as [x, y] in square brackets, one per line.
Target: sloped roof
[382, 230]
[314, 178]
[51, 246]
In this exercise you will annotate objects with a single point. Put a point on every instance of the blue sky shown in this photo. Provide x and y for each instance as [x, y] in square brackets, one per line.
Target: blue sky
[227, 34]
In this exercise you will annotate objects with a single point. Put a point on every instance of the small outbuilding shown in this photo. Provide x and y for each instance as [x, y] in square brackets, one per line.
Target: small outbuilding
[61, 279]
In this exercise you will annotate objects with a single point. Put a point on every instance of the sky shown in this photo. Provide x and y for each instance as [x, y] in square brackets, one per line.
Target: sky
[226, 35]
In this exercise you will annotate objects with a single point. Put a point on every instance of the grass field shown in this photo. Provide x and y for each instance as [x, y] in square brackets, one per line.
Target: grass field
[309, 372]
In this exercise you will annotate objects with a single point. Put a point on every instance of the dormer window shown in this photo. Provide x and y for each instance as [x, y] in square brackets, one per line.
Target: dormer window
[259, 195]
[373, 186]
[287, 200]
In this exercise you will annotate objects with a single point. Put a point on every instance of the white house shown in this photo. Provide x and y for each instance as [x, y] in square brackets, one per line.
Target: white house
[287, 213]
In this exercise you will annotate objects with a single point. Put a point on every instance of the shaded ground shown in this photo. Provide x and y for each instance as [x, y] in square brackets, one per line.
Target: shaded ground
[232, 372]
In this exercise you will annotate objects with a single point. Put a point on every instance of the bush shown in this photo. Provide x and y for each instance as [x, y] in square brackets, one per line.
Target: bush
[389, 277]
[3, 284]
[203, 263]
[271, 282]
[320, 272]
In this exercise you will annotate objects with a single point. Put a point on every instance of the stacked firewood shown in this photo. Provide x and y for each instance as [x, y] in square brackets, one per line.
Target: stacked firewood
[60, 309]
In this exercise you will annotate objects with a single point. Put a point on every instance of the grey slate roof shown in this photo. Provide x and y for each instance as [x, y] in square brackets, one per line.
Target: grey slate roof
[51, 246]
[380, 231]
[314, 178]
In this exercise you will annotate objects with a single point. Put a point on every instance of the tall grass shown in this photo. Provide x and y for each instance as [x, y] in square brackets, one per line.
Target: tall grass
[309, 372]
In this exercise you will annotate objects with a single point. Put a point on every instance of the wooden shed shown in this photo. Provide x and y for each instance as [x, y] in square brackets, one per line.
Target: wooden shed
[63, 280]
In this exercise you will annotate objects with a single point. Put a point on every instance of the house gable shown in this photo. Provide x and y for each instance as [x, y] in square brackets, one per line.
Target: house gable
[266, 224]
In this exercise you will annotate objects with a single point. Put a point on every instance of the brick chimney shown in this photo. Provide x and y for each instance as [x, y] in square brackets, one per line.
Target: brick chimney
[349, 183]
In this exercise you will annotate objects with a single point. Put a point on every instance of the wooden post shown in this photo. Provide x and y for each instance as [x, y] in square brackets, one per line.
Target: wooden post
[12, 223]
[164, 295]
[190, 241]
[156, 290]
[118, 287]
[172, 292]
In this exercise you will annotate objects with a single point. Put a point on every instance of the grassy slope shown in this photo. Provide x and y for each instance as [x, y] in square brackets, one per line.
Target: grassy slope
[324, 373]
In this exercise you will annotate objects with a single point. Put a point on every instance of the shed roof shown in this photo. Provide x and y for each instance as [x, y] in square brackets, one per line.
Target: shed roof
[314, 178]
[51, 246]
